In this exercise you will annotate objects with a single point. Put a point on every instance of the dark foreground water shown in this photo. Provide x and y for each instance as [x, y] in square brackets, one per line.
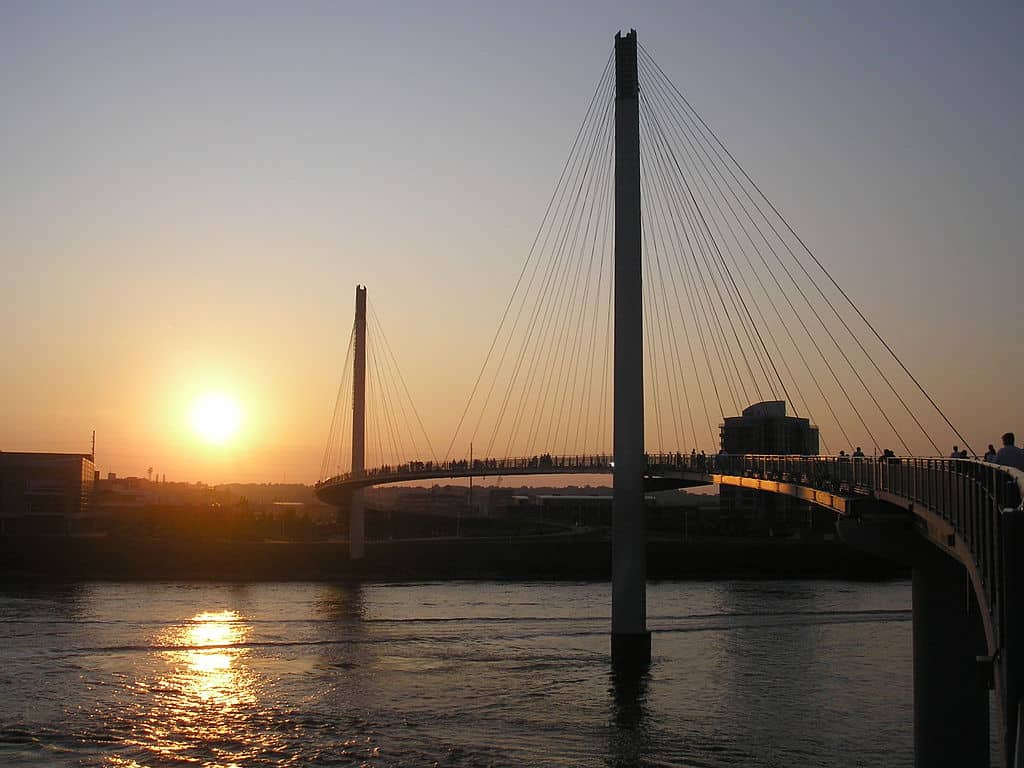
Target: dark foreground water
[787, 673]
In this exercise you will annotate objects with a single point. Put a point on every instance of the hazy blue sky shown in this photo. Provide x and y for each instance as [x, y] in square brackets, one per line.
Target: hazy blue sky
[190, 191]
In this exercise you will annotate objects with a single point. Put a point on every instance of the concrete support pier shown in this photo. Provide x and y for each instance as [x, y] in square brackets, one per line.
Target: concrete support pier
[631, 642]
[356, 517]
[1011, 667]
[951, 698]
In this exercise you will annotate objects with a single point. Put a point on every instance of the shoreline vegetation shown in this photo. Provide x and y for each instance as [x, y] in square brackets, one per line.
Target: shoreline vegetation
[553, 557]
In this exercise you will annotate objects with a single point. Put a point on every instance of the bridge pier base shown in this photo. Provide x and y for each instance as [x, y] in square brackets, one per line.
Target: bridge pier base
[631, 650]
[951, 701]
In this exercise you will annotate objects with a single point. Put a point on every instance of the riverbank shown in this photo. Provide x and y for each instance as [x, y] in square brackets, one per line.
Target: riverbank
[554, 558]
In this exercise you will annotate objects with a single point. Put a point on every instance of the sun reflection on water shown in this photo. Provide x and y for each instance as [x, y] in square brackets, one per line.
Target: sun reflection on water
[207, 658]
[201, 697]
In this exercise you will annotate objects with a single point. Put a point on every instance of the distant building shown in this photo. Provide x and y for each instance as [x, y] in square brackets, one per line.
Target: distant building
[577, 509]
[438, 500]
[570, 509]
[44, 493]
[764, 428]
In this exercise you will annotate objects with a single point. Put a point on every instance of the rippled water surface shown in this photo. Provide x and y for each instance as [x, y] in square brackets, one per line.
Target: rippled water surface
[463, 674]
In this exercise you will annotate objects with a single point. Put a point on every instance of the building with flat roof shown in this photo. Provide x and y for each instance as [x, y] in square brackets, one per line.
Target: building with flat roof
[44, 493]
[764, 428]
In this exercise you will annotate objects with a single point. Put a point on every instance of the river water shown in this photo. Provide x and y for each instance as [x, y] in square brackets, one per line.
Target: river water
[783, 673]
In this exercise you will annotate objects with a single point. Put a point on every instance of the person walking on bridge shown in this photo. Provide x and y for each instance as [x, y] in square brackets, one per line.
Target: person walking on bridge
[990, 454]
[1010, 455]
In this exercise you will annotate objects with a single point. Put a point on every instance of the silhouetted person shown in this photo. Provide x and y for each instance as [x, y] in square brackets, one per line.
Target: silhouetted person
[1010, 455]
[956, 452]
[963, 453]
[858, 454]
[990, 454]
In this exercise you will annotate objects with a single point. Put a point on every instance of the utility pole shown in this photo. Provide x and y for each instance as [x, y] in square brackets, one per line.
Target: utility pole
[631, 642]
[356, 518]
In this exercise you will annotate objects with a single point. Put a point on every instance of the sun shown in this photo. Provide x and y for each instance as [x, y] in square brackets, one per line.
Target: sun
[216, 418]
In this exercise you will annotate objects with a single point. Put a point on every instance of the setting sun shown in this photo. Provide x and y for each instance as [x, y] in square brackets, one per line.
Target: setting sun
[216, 418]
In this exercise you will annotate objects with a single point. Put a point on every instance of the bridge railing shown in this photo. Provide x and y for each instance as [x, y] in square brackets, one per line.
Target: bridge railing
[482, 467]
[970, 495]
[598, 463]
[952, 487]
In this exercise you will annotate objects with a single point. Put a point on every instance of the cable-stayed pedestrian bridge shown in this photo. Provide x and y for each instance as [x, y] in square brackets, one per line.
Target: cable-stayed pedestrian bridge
[663, 294]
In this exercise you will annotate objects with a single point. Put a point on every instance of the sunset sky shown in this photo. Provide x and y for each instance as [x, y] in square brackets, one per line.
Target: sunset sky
[189, 193]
